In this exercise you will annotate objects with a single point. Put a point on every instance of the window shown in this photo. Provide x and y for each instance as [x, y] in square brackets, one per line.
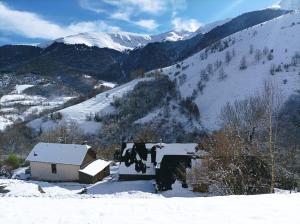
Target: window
[53, 168]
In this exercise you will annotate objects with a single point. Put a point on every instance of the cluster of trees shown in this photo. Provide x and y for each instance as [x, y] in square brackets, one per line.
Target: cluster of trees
[145, 97]
[258, 56]
[190, 108]
[248, 155]
[295, 61]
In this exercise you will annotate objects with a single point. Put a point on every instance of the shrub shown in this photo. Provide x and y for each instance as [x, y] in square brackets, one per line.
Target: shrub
[56, 116]
[13, 161]
[97, 118]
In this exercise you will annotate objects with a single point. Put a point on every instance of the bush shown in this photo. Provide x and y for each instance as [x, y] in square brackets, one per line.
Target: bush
[56, 116]
[13, 161]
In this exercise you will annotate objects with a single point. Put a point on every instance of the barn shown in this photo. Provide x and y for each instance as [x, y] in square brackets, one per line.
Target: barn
[65, 162]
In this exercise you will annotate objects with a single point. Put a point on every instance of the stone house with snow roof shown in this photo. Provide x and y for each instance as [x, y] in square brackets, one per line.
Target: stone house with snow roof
[66, 162]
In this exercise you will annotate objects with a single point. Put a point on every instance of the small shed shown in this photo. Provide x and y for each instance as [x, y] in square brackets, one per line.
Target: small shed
[94, 172]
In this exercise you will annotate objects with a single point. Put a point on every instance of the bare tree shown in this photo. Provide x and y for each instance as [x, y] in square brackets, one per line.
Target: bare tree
[251, 49]
[67, 133]
[222, 74]
[243, 64]
[228, 57]
[258, 55]
[273, 103]
[257, 115]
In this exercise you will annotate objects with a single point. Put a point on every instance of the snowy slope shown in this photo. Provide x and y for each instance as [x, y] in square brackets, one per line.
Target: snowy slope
[100, 105]
[281, 34]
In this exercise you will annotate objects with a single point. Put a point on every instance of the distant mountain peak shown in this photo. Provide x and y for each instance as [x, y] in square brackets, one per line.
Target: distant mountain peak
[290, 4]
[122, 41]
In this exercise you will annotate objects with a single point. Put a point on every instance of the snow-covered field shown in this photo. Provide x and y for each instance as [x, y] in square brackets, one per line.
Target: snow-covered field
[141, 206]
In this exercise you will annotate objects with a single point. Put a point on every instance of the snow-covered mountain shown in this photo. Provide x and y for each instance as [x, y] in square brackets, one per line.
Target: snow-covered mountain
[121, 41]
[210, 26]
[290, 4]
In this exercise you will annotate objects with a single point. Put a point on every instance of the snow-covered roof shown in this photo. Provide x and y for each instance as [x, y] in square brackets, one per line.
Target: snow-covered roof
[95, 167]
[58, 153]
[175, 149]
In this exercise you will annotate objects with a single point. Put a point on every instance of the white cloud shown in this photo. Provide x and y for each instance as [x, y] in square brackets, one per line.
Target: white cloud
[34, 26]
[148, 6]
[130, 10]
[148, 24]
[27, 24]
[91, 26]
[122, 15]
[94, 6]
[190, 25]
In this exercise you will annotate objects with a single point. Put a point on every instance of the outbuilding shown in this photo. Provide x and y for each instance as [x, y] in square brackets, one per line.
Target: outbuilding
[94, 172]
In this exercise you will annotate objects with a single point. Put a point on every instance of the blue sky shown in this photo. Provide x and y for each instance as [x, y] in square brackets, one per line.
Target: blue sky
[35, 21]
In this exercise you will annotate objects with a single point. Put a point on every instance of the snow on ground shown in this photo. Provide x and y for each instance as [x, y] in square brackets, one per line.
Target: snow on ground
[260, 209]
[280, 35]
[106, 84]
[21, 88]
[100, 104]
[110, 201]
[21, 188]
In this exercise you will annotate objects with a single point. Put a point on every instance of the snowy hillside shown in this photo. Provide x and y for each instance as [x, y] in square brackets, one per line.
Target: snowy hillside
[83, 113]
[214, 76]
